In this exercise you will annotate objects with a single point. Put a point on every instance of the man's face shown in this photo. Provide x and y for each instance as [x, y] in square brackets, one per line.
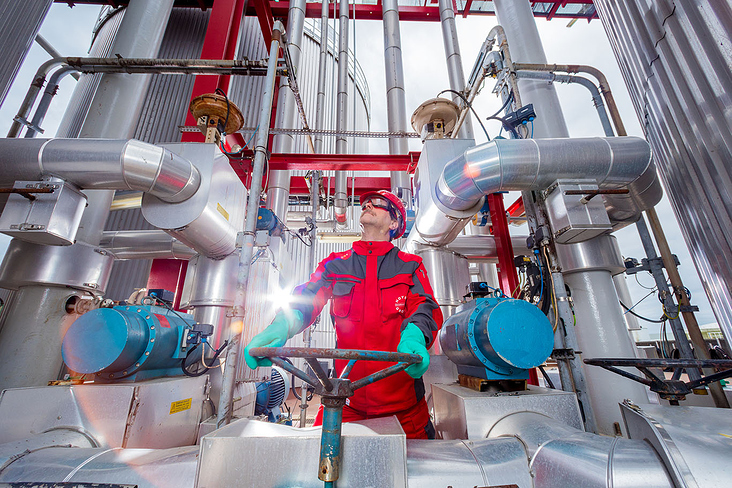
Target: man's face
[375, 213]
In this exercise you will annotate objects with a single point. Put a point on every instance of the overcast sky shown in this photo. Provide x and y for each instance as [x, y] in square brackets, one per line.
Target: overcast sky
[69, 31]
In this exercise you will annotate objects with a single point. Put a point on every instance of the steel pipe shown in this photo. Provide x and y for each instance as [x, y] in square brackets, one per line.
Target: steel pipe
[454, 60]
[144, 244]
[560, 455]
[531, 164]
[250, 226]
[340, 196]
[100, 164]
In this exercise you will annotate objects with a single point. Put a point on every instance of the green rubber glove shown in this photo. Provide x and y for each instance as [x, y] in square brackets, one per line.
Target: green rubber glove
[413, 342]
[284, 326]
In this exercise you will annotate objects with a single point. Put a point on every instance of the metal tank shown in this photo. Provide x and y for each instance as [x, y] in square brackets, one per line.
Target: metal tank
[676, 62]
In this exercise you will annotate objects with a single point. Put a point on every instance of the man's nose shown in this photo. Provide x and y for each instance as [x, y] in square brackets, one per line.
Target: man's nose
[366, 205]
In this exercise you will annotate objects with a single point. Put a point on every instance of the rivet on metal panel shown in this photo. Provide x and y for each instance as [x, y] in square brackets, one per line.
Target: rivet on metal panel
[151, 340]
[147, 353]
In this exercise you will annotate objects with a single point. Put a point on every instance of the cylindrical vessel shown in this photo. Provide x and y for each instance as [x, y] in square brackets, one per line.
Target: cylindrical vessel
[497, 338]
[602, 333]
[118, 342]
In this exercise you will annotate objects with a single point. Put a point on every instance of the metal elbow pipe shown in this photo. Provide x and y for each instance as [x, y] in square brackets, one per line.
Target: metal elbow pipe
[97, 164]
[534, 164]
[560, 455]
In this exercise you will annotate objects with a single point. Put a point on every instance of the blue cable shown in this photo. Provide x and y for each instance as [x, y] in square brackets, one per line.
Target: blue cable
[538, 261]
[532, 129]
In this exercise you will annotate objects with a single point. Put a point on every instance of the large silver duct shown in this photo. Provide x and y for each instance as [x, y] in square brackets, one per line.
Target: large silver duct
[396, 107]
[530, 164]
[676, 62]
[454, 61]
[278, 185]
[101, 164]
[560, 455]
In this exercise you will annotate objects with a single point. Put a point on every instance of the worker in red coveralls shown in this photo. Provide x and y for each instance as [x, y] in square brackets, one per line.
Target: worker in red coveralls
[381, 300]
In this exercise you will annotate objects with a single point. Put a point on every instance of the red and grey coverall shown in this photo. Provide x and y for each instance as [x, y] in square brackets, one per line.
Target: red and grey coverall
[376, 290]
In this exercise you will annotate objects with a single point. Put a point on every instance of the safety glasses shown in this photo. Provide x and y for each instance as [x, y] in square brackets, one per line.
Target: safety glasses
[381, 203]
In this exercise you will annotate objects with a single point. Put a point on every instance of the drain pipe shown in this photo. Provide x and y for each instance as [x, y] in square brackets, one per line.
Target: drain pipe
[322, 67]
[340, 198]
[250, 226]
[39, 79]
[454, 61]
[278, 186]
[395, 101]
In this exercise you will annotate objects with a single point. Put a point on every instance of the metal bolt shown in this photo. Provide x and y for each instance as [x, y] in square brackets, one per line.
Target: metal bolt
[139, 310]
[152, 327]
[147, 353]
[137, 365]
[124, 372]
[147, 317]
[152, 340]
[111, 375]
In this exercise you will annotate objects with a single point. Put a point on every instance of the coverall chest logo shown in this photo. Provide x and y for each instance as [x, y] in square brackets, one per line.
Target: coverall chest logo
[401, 304]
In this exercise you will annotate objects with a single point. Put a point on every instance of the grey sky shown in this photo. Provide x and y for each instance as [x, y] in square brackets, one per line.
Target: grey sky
[69, 30]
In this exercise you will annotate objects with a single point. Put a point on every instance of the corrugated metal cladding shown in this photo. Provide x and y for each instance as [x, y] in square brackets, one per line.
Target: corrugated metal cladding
[246, 91]
[104, 34]
[165, 108]
[19, 24]
[676, 58]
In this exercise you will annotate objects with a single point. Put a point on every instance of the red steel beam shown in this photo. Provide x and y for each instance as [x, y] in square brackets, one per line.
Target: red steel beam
[516, 209]
[466, 8]
[553, 10]
[298, 186]
[263, 10]
[507, 276]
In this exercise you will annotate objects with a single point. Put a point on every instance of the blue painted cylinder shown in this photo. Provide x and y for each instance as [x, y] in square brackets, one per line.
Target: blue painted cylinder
[497, 338]
[120, 342]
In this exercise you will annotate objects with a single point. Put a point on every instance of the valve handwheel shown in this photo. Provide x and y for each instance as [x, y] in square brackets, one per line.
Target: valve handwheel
[334, 391]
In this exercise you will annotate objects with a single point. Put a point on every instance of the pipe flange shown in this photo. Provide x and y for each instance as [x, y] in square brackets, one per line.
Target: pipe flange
[152, 324]
[472, 323]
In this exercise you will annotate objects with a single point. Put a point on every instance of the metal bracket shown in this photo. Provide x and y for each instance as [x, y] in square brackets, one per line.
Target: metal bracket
[564, 354]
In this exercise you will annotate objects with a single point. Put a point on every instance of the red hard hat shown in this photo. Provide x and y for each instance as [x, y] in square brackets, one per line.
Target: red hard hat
[398, 205]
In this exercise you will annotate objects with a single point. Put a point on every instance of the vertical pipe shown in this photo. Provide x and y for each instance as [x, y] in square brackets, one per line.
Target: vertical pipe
[118, 101]
[322, 70]
[340, 198]
[519, 25]
[250, 226]
[396, 106]
[330, 440]
[278, 186]
[454, 61]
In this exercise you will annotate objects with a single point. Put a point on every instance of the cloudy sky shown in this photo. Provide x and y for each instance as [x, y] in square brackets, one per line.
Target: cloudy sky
[69, 31]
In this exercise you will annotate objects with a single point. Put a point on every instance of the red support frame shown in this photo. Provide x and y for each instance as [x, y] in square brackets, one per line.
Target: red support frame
[507, 275]
[298, 186]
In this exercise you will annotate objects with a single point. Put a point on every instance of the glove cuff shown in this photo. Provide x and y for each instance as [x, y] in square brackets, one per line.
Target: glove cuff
[294, 320]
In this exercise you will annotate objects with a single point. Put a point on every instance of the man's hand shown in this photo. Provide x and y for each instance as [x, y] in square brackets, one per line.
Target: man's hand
[412, 342]
[284, 326]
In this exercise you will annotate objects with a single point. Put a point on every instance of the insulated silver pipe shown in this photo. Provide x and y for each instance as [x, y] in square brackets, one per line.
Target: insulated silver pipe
[322, 69]
[101, 164]
[250, 227]
[535, 164]
[118, 100]
[396, 106]
[560, 455]
[45, 103]
[483, 247]
[144, 244]
[454, 61]
[278, 185]
[340, 197]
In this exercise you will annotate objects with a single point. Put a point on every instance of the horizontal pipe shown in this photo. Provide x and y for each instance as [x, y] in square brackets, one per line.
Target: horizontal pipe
[144, 244]
[97, 164]
[535, 164]
[483, 247]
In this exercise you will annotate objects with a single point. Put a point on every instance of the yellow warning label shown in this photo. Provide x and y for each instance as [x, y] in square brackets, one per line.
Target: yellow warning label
[222, 211]
[180, 405]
